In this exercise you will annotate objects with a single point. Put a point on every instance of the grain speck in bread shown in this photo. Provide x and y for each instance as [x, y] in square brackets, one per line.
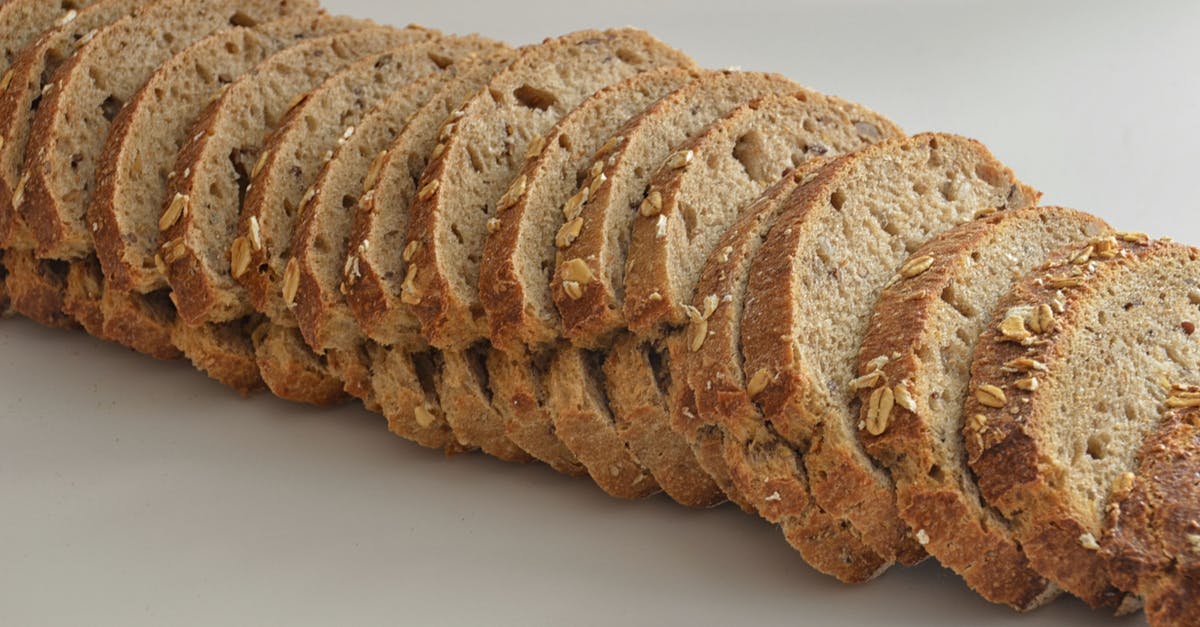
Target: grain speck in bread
[293, 157]
[381, 217]
[589, 279]
[813, 286]
[519, 256]
[932, 322]
[483, 144]
[1106, 324]
[1152, 538]
[90, 89]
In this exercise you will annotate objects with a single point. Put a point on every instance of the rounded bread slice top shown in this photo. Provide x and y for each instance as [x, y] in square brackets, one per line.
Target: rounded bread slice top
[589, 278]
[291, 161]
[214, 166]
[89, 90]
[813, 285]
[382, 215]
[1071, 377]
[126, 209]
[20, 98]
[483, 142]
[704, 186]
[1152, 538]
[932, 321]
[321, 242]
[519, 255]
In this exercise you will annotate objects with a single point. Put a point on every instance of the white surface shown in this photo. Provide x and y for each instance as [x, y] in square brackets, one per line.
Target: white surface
[139, 493]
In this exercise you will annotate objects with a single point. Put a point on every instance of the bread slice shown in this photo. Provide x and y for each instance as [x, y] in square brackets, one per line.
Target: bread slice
[132, 175]
[223, 351]
[289, 368]
[31, 67]
[321, 242]
[812, 288]
[87, 93]
[695, 197]
[464, 186]
[407, 385]
[591, 310]
[381, 219]
[25, 20]
[518, 384]
[932, 322]
[579, 406]
[710, 385]
[690, 202]
[1150, 536]
[319, 245]
[211, 184]
[470, 407]
[1068, 382]
[294, 156]
[518, 257]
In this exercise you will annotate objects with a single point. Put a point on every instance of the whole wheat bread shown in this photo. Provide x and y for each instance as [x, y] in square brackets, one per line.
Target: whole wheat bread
[591, 309]
[483, 142]
[932, 322]
[1150, 535]
[519, 255]
[1068, 382]
[89, 90]
[812, 288]
[292, 159]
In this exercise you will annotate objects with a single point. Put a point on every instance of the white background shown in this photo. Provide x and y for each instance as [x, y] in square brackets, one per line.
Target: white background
[139, 493]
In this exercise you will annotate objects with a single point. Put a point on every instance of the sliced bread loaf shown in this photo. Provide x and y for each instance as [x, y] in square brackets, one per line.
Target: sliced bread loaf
[89, 90]
[701, 190]
[215, 165]
[588, 284]
[26, 79]
[1151, 539]
[578, 404]
[812, 288]
[519, 256]
[932, 322]
[482, 145]
[381, 219]
[25, 20]
[1067, 384]
[132, 176]
[292, 159]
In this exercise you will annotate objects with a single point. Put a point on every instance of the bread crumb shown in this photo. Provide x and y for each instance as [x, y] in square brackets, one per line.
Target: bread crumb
[775, 496]
[1088, 541]
[922, 537]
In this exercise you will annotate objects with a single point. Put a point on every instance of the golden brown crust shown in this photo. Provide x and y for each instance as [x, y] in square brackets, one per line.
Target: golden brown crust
[222, 351]
[37, 288]
[1003, 443]
[290, 370]
[584, 423]
[958, 530]
[1152, 539]
[469, 408]
[520, 397]
[637, 394]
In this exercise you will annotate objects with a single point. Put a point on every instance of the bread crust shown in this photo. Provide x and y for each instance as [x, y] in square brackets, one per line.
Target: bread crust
[290, 370]
[37, 288]
[958, 528]
[1150, 542]
[444, 286]
[518, 384]
[1015, 472]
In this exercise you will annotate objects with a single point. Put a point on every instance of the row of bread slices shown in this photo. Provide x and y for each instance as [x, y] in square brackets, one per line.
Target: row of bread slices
[549, 253]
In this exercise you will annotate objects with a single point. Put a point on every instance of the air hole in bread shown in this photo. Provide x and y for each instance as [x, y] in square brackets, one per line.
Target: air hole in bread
[242, 19]
[76, 159]
[920, 188]
[837, 199]
[534, 98]
[690, 218]
[751, 152]
[477, 360]
[442, 61]
[952, 297]
[321, 244]
[564, 142]
[111, 107]
[658, 364]
[231, 47]
[936, 473]
[425, 365]
[348, 201]
[457, 234]
[1097, 445]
